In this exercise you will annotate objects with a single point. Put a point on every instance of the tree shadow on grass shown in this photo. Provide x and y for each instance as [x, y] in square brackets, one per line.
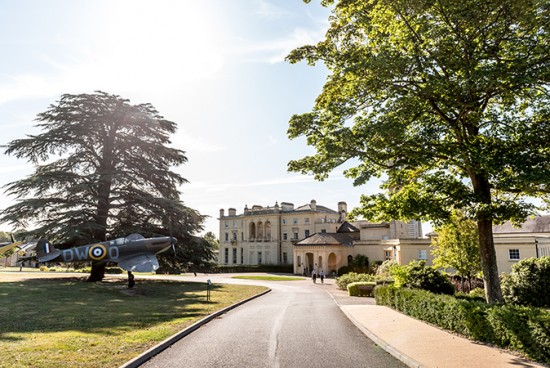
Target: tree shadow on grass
[55, 305]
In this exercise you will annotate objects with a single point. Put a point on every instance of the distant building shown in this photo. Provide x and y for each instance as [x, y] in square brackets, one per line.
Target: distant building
[265, 235]
[512, 243]
[397, 240]
[313, 236]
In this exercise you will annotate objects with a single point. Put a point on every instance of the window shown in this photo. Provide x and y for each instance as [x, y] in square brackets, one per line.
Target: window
[387, 255]
[234, 255]
[226, 236]
[296, 236]
[234, 235]
[259, 257]
[295, 221]
[284, 221]
[514, 254]
[306, 220]
[307, 233]
[226, 255]
[285, 258]
[242, 255]
[422, 254]
[234, 223]
[226, 224]
[323, 231]
[285, 236]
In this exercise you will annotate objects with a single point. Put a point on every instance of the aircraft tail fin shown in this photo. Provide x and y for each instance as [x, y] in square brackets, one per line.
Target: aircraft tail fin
[45, 251]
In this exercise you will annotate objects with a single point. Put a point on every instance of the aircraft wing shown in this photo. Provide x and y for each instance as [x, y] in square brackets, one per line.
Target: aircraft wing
[143, 262]
[5, 248]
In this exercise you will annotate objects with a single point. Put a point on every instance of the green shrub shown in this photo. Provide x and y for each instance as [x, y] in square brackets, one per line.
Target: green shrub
[43, 268]
[524, 329]
[417, 275]
[361, 288]
[528, 283]
[383, 269]
[348, 278]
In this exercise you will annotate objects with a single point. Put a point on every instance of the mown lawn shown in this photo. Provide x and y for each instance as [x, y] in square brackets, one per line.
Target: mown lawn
[72, 323]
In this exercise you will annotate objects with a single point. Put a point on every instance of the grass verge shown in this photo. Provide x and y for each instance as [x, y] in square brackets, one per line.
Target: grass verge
[72, 323]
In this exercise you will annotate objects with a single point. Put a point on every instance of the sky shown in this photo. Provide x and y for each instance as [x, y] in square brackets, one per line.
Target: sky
[215, 67]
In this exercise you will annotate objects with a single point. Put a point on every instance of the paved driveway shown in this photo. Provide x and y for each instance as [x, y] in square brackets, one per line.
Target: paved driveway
[298, 324]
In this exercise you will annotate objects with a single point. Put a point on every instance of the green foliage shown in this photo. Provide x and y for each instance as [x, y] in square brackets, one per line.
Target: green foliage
[384, 269]
[528, 283]
[457, 245]
[440, 99]
[417, 275]
[343, 281]
[361, 288]
[523, 329]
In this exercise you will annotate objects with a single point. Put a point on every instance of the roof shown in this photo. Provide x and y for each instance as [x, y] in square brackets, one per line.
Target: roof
[539, 224]
[307, 207]
[327, 239]
[346, 227]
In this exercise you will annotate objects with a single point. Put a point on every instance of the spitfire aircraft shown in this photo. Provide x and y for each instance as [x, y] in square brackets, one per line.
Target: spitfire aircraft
[133, 253]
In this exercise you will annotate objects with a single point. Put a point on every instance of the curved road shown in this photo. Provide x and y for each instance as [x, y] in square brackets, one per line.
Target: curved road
[297, 324]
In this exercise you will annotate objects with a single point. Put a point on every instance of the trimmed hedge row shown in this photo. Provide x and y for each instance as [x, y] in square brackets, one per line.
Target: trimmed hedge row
[361, 288]
[523, 329]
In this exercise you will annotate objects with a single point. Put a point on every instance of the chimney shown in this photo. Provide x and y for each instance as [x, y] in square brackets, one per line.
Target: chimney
[343, 211]
[222, 213]
[232, 212]
[313, 205]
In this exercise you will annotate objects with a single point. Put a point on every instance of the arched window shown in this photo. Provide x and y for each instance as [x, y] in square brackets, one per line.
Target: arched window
[252, 231]
[260, 228]
[350, 260]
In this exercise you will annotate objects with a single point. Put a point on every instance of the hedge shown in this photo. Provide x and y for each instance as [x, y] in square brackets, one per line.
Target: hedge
[354, 289]
[519, 328]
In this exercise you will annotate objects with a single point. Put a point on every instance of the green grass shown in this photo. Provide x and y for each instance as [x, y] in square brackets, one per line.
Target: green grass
[269, 278]
[72, 323]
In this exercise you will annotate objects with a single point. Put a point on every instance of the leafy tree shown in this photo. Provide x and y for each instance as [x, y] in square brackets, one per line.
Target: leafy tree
[103, 169]
[446, 100]
[4, 236]
[210, 237]
[457, 246]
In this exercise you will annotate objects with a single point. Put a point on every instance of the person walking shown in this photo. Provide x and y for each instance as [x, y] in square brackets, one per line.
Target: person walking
[314, 275]
[322, 276]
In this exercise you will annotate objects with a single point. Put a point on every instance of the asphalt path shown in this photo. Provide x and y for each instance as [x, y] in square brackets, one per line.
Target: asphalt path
[297, 324]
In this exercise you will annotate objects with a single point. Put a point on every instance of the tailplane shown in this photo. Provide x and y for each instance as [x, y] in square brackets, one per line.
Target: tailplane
[45, 251]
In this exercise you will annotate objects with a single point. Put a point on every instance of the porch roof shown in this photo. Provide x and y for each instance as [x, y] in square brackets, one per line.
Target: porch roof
[326, 239]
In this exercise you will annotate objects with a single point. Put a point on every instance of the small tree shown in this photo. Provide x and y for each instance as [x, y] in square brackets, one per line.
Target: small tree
[457, 246]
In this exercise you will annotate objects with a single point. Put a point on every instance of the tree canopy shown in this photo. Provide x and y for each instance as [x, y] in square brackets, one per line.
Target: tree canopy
[446, 100]
[103, 168]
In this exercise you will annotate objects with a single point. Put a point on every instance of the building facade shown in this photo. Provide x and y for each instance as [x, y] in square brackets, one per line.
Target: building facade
[265, 235]
[397, 240]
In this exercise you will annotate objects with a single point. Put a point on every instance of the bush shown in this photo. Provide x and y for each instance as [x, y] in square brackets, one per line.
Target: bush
[348, 278]
[524, 329]
[417, 275]
[528, 283]
[384, 268]
[361, 288]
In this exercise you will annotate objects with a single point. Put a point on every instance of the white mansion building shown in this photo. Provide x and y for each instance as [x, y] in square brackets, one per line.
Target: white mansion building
[311, 236]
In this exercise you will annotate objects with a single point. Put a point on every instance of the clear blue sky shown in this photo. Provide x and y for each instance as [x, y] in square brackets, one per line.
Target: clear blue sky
[215, 67]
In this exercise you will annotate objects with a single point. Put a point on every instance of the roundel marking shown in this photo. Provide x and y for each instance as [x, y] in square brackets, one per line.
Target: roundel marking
[97, 252]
